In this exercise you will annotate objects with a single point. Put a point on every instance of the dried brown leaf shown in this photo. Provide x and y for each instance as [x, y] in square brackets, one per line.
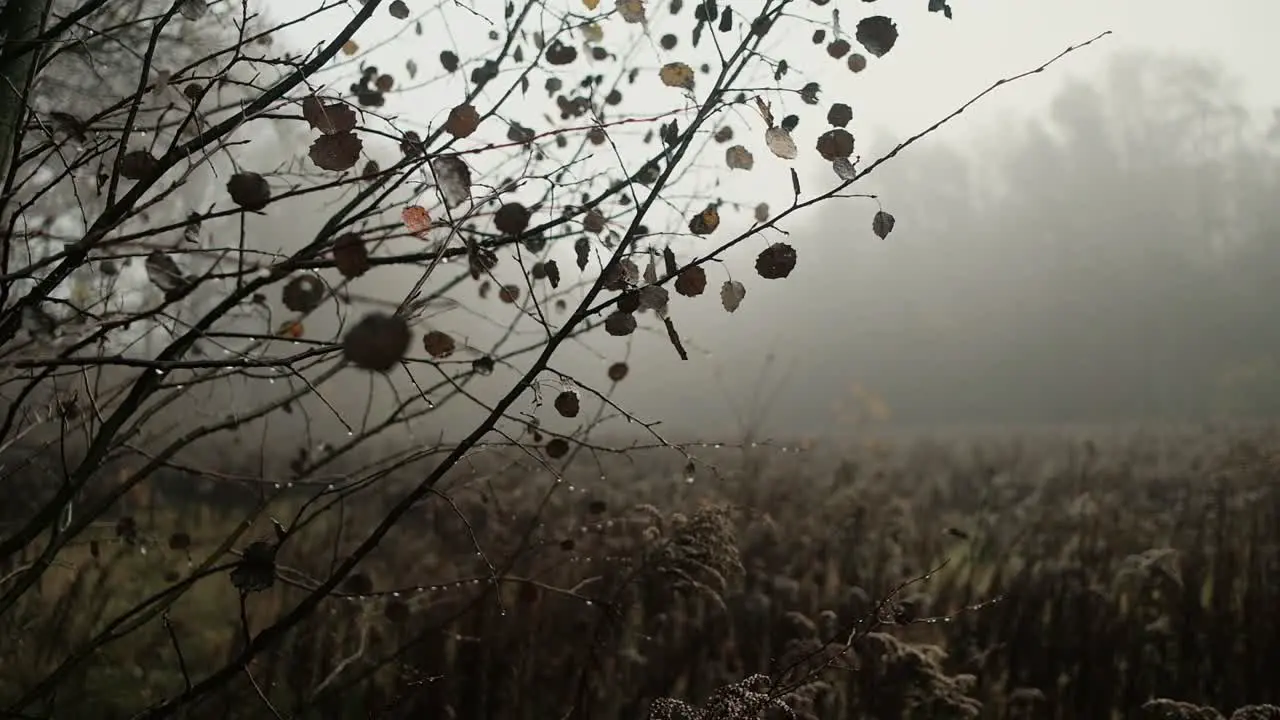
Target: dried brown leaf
[732, 294]
[378, 342]
[303, 293]
[249, 190]
[692, 281]
[512, 218]
[776, 261]
[567, 404]
[677, 75]
[438, 344]
[619, 324]
[350, 255]
[705, 222]
[618, 371]
[336, 152]
[463, 121]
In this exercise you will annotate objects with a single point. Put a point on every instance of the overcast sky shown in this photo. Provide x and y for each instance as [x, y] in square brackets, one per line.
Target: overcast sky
[936, 65]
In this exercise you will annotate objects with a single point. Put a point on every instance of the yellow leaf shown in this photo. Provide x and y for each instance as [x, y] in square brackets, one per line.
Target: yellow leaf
[350, 48]
[705, 222]
[591, 4]
[677, 74]
[631, 10]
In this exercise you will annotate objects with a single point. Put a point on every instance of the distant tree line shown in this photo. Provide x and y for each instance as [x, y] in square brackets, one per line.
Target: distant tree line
[1116, 258]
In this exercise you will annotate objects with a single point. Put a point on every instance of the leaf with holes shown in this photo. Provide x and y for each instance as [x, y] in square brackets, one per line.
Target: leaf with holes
[438, 344]
[776, 261]
[557, 53]
[567, 404]
[691, 281]
[882, 224]
[809, 93]
[249, 190]
[350, 255]
[303, 293]
[780, 143]
[619, 324]
[462, 121]
[453, 177]
[877, 34]
[378, 342]
[705, 222]
[336, 152]
[416, 219]
[739, 158]
[677, 75]
[732, 294]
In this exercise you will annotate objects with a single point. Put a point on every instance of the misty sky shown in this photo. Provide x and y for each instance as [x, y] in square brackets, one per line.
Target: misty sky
[935, 66]
[799, 350]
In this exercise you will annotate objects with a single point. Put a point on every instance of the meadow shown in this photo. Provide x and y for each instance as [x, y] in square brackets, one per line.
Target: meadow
[1124, 575]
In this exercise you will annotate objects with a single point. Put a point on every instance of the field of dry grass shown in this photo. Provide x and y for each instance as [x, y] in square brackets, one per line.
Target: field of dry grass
[1033, 579]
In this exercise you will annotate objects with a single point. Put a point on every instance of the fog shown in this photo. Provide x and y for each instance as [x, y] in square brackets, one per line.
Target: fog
[1096, 243]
